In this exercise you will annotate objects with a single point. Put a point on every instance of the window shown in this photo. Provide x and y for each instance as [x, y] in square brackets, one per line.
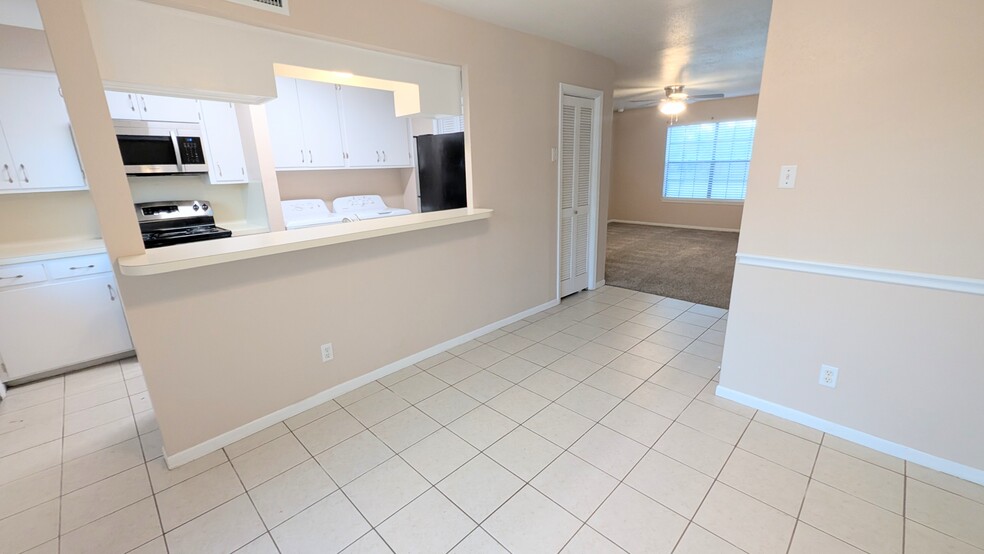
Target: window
[455, 124]
[708, 161]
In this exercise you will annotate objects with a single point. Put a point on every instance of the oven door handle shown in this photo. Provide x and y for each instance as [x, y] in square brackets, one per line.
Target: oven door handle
[177, 150]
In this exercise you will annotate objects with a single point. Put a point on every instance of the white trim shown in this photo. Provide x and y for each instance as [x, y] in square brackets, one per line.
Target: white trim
[968, 473]
[597, 285]
[598, 97]
[229, 437]
[651, 224]
[892, 276]
[3, 390]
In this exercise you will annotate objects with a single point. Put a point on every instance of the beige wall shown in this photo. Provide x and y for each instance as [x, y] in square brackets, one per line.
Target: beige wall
[882, 183]
[391, 184]
[47, 217]
[224, 345]
[638, 159]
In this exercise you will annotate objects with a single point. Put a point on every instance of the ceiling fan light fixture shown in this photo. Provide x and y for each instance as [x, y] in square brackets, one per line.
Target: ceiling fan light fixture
[675, 92]
[672, 107]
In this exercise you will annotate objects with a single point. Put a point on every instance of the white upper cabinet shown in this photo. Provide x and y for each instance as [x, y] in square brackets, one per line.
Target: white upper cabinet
[40, 151]
[122, 105]
[7, 169]
[226, 161]
[149, 107]
[322, 128]
[304, 126]
[374, 136]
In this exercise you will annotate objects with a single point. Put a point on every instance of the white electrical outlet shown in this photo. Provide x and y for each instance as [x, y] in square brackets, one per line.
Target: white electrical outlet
[828, 376]
[327, 352]
[787, 177]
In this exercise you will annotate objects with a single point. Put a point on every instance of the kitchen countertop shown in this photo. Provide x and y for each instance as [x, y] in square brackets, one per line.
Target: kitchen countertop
[37, 251]
[26, 252]
[212, 252]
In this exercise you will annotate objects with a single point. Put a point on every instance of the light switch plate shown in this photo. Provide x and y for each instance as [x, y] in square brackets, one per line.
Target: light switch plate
[787, 177]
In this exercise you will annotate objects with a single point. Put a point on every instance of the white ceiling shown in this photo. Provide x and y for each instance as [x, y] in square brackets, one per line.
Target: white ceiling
[710, 46]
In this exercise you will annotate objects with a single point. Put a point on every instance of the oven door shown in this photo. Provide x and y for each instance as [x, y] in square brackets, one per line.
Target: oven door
[149, 154]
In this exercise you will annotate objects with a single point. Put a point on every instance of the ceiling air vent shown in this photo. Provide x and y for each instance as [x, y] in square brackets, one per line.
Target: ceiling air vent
[276, 6]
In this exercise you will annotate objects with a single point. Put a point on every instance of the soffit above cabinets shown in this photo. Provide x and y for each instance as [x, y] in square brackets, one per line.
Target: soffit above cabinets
[20, 13]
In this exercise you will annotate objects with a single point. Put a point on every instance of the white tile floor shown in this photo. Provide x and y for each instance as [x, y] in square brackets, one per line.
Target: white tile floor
[589, 428]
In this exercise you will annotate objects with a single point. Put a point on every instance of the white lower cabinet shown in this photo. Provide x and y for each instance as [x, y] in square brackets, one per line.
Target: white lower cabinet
[59, 322]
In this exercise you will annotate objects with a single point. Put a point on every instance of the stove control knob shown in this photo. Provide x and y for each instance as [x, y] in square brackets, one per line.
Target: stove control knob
[195, 207]
[205, 207]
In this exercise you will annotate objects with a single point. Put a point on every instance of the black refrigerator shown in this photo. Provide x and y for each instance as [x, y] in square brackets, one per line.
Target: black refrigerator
[441, 172]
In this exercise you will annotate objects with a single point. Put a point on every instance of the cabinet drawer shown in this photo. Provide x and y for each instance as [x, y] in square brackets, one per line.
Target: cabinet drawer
[13, 275]
[79, 266]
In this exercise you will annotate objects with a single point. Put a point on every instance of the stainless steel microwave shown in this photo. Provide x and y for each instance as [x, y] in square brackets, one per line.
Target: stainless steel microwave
[160, 148]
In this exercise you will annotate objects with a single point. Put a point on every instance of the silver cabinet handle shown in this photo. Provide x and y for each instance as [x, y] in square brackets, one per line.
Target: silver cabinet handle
[90, 266]
[384, 156]
[302, 155]
[143, 101]
[133, 108]
[310, 157]
[6, 169]
[24, 171]
[243, 170]
[377, 156]
[112, 295]
[14, 277]
[220, 169]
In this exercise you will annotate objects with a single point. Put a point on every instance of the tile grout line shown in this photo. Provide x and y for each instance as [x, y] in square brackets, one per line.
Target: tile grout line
[809, 480]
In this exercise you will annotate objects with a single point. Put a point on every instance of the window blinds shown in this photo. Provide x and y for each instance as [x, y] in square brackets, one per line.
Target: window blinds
[447, 125]
[708, 161]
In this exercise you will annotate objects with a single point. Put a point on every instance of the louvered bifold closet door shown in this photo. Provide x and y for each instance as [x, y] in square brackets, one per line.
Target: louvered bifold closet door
[583, 196]
[577, 128]
[568, 123]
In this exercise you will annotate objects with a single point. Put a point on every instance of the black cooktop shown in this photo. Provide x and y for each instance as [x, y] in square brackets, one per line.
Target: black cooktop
[168, 237]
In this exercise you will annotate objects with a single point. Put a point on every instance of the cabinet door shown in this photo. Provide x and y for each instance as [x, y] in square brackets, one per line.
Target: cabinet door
[53, 326]
[374, 136]
[226, 161]
[320, 123]
[8, 179]
[38, 132]
[284, 123]
[166, 108]
[122, 105]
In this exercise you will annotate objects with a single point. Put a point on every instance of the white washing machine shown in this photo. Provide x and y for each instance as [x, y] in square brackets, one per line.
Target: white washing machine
[369, 206]
[310, 212]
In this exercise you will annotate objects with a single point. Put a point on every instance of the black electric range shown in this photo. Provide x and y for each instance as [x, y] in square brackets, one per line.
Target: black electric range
[167, 223]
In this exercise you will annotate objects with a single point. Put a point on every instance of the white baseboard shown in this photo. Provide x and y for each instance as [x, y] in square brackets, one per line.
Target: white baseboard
[3, 391]
[967, 473]
[229, 437]
[651, 224]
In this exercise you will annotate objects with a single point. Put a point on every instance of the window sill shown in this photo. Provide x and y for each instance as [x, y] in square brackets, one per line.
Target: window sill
[702, 201]
[201, 254]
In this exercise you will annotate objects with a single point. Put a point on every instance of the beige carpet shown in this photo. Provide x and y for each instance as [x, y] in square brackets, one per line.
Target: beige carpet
[688, 264]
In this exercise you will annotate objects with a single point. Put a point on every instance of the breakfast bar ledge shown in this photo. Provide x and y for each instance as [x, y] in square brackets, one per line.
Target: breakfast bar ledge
[205, 253]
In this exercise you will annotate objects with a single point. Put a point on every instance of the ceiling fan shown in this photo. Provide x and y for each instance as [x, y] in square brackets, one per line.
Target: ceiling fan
[675, 102]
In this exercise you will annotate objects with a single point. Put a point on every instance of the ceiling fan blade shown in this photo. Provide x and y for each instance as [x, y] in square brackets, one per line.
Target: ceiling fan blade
[643, 101]
[705, 96]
